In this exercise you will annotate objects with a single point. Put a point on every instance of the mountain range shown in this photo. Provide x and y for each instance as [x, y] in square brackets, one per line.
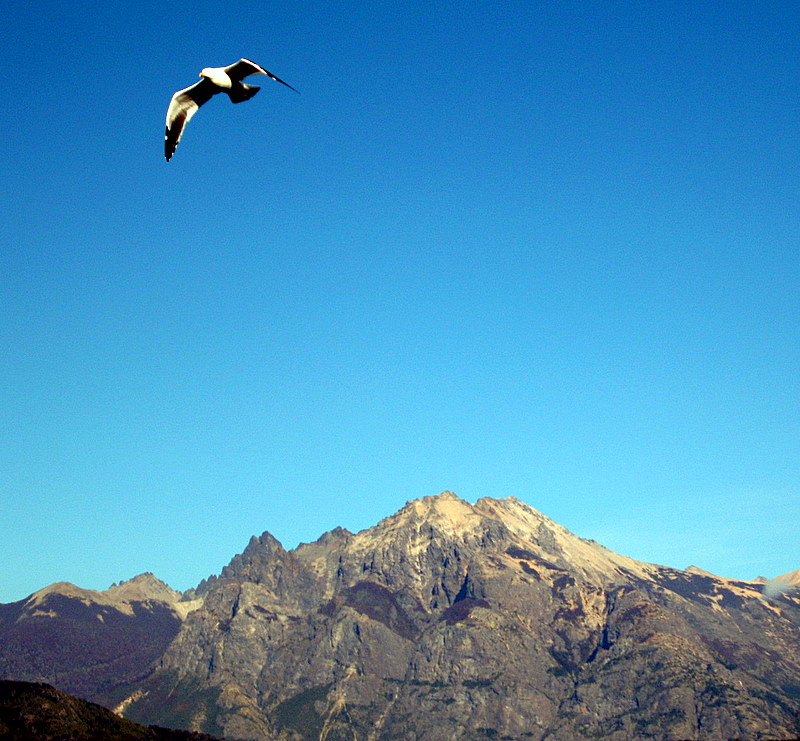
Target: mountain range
[446, 620]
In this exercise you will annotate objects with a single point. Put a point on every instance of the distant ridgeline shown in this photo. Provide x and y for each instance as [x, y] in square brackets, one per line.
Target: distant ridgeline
[86, 642]
[444, 621]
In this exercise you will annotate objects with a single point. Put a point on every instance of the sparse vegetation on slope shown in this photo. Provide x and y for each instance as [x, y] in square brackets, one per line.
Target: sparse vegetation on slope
[38, 712]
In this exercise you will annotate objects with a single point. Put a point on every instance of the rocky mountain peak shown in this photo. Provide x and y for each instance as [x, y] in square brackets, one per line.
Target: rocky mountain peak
[336, 535]
[486, 527]
[121, 596]
[141, 588]
[489, 617]
[259, 552]
[266, 543]
[408, 545]
[446, 510]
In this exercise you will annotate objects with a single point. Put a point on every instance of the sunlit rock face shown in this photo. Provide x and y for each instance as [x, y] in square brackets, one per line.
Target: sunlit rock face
[449, 620]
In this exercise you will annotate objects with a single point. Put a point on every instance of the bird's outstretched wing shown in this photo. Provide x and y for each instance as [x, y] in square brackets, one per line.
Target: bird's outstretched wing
[244, 67]
[184, 104]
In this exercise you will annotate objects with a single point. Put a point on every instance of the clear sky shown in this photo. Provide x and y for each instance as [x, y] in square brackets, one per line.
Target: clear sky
[540, 249]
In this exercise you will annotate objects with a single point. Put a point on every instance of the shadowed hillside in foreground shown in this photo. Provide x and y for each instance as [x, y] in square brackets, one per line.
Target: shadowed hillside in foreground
[38, 712]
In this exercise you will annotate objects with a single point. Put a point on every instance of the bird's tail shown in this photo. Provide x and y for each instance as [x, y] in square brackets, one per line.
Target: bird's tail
[240, 93]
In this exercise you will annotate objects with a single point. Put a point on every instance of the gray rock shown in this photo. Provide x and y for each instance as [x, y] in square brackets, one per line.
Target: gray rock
[455, 621]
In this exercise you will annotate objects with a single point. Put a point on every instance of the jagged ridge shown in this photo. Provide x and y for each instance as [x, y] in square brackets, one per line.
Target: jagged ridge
[487, 619]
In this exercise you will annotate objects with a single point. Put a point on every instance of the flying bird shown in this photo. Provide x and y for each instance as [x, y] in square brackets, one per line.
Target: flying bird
[185, 103]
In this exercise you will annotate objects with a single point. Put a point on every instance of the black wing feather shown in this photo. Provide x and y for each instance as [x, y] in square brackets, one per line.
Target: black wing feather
[244, 67]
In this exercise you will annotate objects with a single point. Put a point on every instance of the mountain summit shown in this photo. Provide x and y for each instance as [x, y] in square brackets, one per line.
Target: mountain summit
[449, 620]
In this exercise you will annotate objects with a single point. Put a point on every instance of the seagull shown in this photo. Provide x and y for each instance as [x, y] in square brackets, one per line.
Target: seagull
[185, 103]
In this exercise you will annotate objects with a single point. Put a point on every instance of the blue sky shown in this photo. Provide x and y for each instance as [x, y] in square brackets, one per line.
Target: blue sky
[540, 249]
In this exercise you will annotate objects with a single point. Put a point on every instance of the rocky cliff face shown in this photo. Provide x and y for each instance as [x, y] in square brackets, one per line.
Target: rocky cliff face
[456, 621]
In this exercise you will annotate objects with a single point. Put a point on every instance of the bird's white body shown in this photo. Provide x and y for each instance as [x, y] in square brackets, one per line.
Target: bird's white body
[218, 76]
